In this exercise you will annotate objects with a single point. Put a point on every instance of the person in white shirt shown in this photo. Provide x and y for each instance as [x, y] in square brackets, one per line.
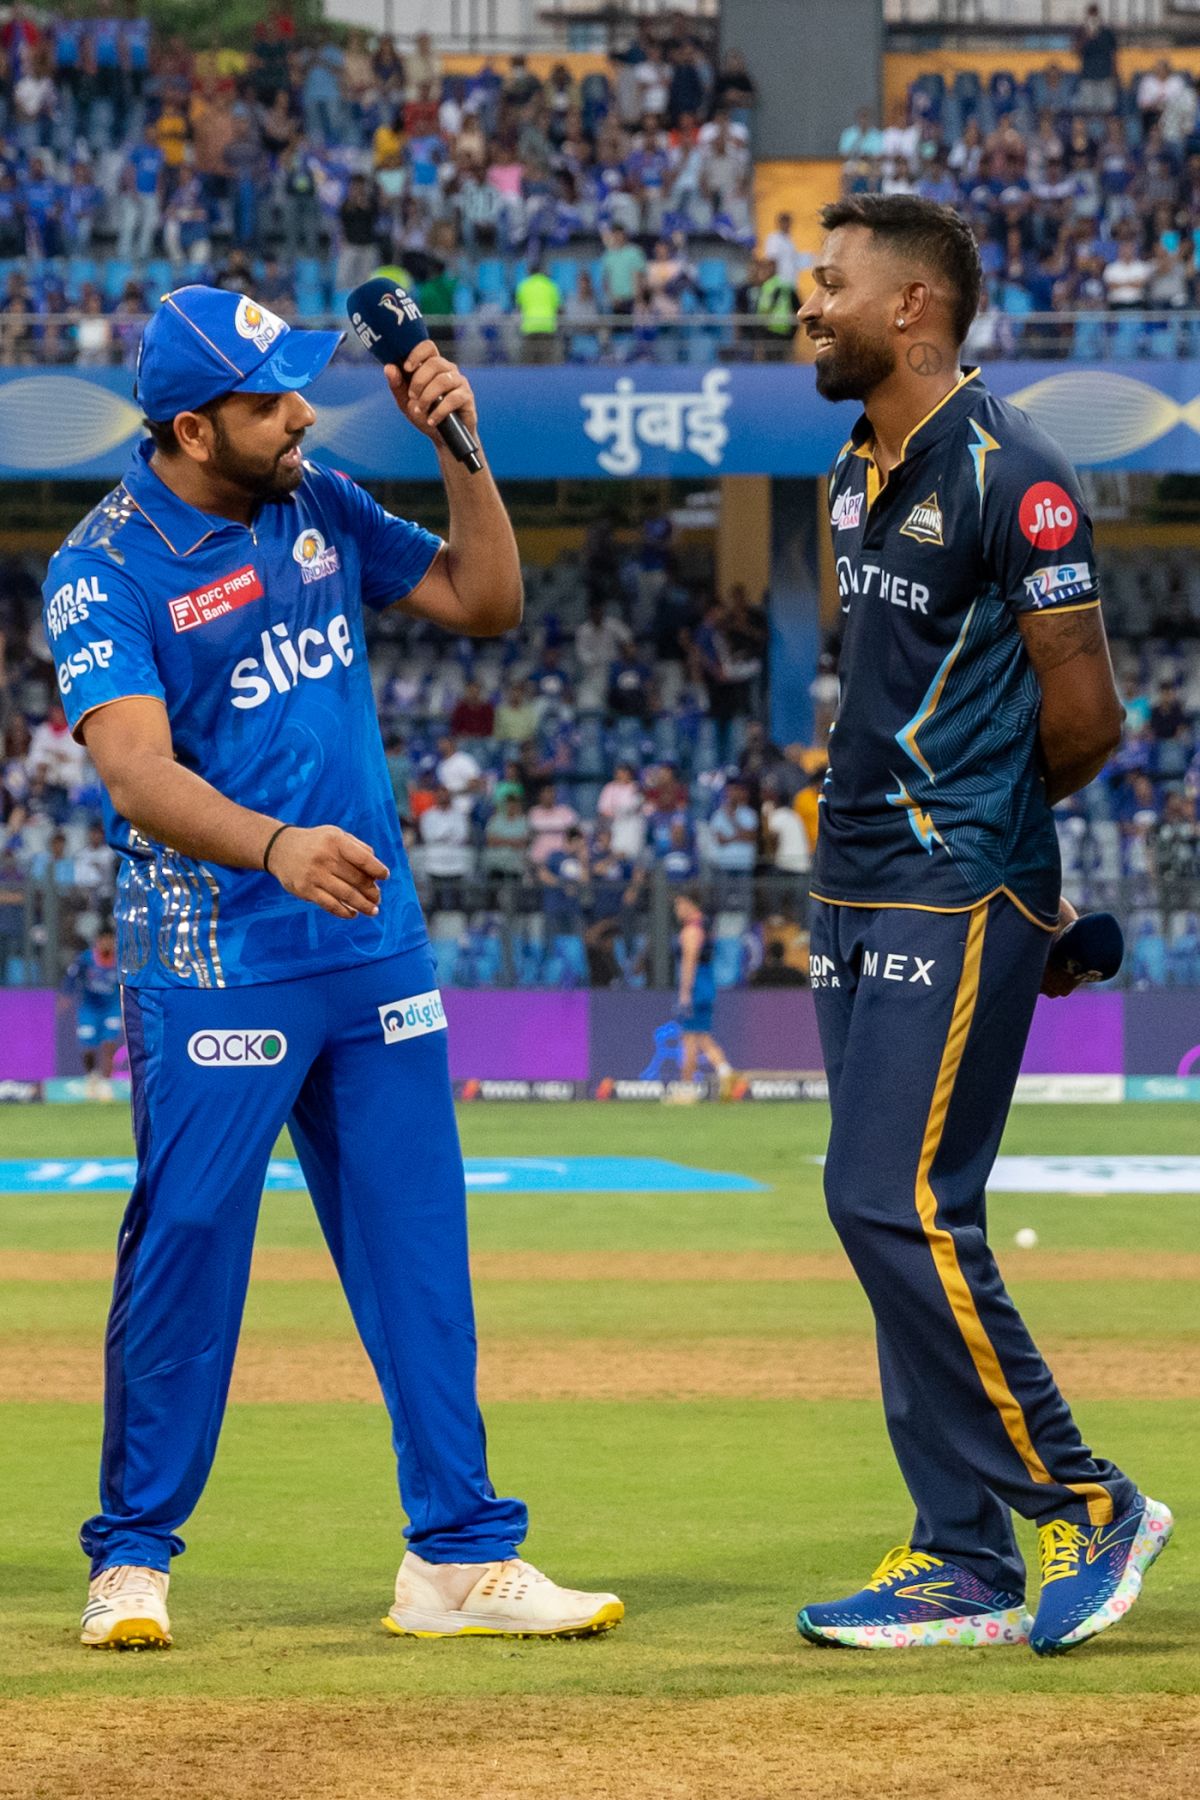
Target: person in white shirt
[779, 248]
[900, 138]
[54, 753]
[598, 643]
[96, 863]
[1126, 279]
[458, 772]
[786, 838]
[621, 804]
[446, 836]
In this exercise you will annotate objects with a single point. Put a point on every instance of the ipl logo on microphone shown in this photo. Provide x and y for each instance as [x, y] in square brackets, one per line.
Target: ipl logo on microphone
[414, 1017]
[402, 306]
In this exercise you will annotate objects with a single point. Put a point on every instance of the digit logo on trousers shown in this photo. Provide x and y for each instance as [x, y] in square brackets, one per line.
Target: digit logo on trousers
[414, 1017]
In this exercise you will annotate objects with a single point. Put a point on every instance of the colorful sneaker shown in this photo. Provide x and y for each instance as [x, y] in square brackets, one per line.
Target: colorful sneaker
[126, 1610]
[917, 1601]
[1092, 1574]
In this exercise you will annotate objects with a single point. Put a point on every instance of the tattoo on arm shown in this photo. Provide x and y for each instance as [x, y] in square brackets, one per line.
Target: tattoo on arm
[925, 359]
[1076, 634]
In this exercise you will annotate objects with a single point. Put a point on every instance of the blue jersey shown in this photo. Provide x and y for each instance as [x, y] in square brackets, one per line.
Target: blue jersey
[935, 795]
[96, 983]
[252, 637]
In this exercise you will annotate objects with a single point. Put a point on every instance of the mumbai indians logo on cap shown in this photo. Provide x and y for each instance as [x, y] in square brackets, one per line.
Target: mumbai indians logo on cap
[256, 323]
[315, 556]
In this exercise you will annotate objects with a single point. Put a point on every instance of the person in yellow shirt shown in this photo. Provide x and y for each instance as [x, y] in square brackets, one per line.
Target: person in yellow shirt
[538, 300]
[171, 133]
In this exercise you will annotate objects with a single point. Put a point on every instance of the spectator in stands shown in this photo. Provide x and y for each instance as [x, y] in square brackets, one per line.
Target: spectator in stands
[775, 970]
[358, 246]
[550, 681]
[507, 839]
[549, 821]
[563, 873]
[518, 715]
[56, 754]
[1096, 47]
[620, 266]
[186, 225]
[789, 262]
[458, 772]
[139, 210]
[785, 840]
[299, 207]
[735, 91]
[538, 298]
[862, 141]
[630, 685]
[96, 863]
[474, 716]
[445, 834]
[1127, 276]
[598, 642]
[733, 832]
[1167, 716]
[621, 807]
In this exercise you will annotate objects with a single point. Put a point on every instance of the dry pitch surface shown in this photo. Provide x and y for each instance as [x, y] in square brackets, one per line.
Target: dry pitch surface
[683, 1386]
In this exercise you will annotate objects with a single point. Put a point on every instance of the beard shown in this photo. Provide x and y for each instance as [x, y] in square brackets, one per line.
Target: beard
[262, 478]
[853, 368]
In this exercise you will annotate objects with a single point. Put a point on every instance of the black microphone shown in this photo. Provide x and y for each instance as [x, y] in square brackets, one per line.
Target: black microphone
[387, 321]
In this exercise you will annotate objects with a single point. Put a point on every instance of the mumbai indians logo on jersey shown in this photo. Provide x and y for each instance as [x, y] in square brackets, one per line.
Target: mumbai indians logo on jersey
[315, 556]
[924, 523]
[257, 323]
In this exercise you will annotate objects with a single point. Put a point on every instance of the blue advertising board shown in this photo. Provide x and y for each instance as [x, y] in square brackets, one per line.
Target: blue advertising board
[612, 420]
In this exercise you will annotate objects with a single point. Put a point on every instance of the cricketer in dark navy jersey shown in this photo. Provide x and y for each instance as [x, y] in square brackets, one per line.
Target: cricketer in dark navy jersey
[935, 794]
[976, 689]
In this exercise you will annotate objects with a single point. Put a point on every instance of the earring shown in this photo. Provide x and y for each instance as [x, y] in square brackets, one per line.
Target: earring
[900, 324]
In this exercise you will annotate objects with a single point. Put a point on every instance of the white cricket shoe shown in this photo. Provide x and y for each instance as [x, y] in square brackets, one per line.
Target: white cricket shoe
[127, 1610]
[497, 1599]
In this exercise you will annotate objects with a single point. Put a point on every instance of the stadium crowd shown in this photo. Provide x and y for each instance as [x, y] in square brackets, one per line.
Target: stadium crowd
[1084, 192]
[129, 163]
[551, 782]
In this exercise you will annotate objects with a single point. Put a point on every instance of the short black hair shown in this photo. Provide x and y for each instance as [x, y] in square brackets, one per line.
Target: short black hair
[162, 431]
[934, 235]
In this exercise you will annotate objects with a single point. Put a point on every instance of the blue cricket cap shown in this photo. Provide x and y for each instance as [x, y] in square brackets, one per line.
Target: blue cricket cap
[203, 342]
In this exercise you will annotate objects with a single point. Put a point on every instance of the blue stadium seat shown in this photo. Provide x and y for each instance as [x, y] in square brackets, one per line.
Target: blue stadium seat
[490, 278]
[80, 270]
[445, 959]
[116, 274]
[464, 300]
[727, 962]
[160, 275]
[564, 271]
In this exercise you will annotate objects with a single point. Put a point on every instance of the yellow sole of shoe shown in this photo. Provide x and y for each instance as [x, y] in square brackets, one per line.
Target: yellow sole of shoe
[607, 1619]
[135, 1634]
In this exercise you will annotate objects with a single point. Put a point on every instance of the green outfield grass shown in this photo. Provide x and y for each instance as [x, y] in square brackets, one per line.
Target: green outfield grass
[713, 1517]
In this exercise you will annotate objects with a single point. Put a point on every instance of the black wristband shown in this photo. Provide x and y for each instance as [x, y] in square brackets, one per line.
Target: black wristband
[271, 841]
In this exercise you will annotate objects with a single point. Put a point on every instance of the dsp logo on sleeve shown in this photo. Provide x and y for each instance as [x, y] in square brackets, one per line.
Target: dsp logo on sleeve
[411, 1018]
[1048, 516]
[96, 655]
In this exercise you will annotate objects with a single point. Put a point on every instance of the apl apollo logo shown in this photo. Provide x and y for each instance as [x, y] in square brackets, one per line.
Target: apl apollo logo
[237, 1049]
[315, 556]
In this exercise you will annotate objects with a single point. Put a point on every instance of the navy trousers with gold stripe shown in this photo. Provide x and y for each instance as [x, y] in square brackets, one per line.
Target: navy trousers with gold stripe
[923, 1018]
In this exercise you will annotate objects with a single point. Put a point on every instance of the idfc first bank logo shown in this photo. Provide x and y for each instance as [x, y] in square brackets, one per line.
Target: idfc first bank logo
[414, 1017]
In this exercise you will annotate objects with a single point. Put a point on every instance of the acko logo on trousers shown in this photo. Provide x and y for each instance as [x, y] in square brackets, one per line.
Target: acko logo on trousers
[237, 1049]
[411, 1018]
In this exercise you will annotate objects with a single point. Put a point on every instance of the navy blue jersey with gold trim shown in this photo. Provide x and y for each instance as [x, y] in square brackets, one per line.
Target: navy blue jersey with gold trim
[934, 795]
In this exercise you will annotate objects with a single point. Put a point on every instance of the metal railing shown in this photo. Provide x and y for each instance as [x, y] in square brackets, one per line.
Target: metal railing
[1127, 334]
[495, 930]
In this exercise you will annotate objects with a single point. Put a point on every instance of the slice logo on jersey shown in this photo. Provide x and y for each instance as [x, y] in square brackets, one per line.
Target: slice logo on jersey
[225, 595]
[316, 558]
[237, 1049]
[286, 661]
[1062, 583]
[1048, 516]
[847, 511]
[412, 1018]
[71, 603]
[83, 662]
[257, 323]
[925, 524]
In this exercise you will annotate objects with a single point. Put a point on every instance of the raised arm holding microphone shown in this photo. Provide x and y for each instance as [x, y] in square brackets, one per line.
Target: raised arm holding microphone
[206, 621]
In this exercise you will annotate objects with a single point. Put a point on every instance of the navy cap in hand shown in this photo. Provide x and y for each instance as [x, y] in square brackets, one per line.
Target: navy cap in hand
[203, 342]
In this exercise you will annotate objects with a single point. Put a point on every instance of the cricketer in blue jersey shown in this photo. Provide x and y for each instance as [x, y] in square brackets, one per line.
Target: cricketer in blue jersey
[207, 626]
[94, 978]
[976, 690]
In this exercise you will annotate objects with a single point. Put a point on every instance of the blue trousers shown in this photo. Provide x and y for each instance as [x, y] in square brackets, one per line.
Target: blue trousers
[923, 1019]
[363, 1081]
